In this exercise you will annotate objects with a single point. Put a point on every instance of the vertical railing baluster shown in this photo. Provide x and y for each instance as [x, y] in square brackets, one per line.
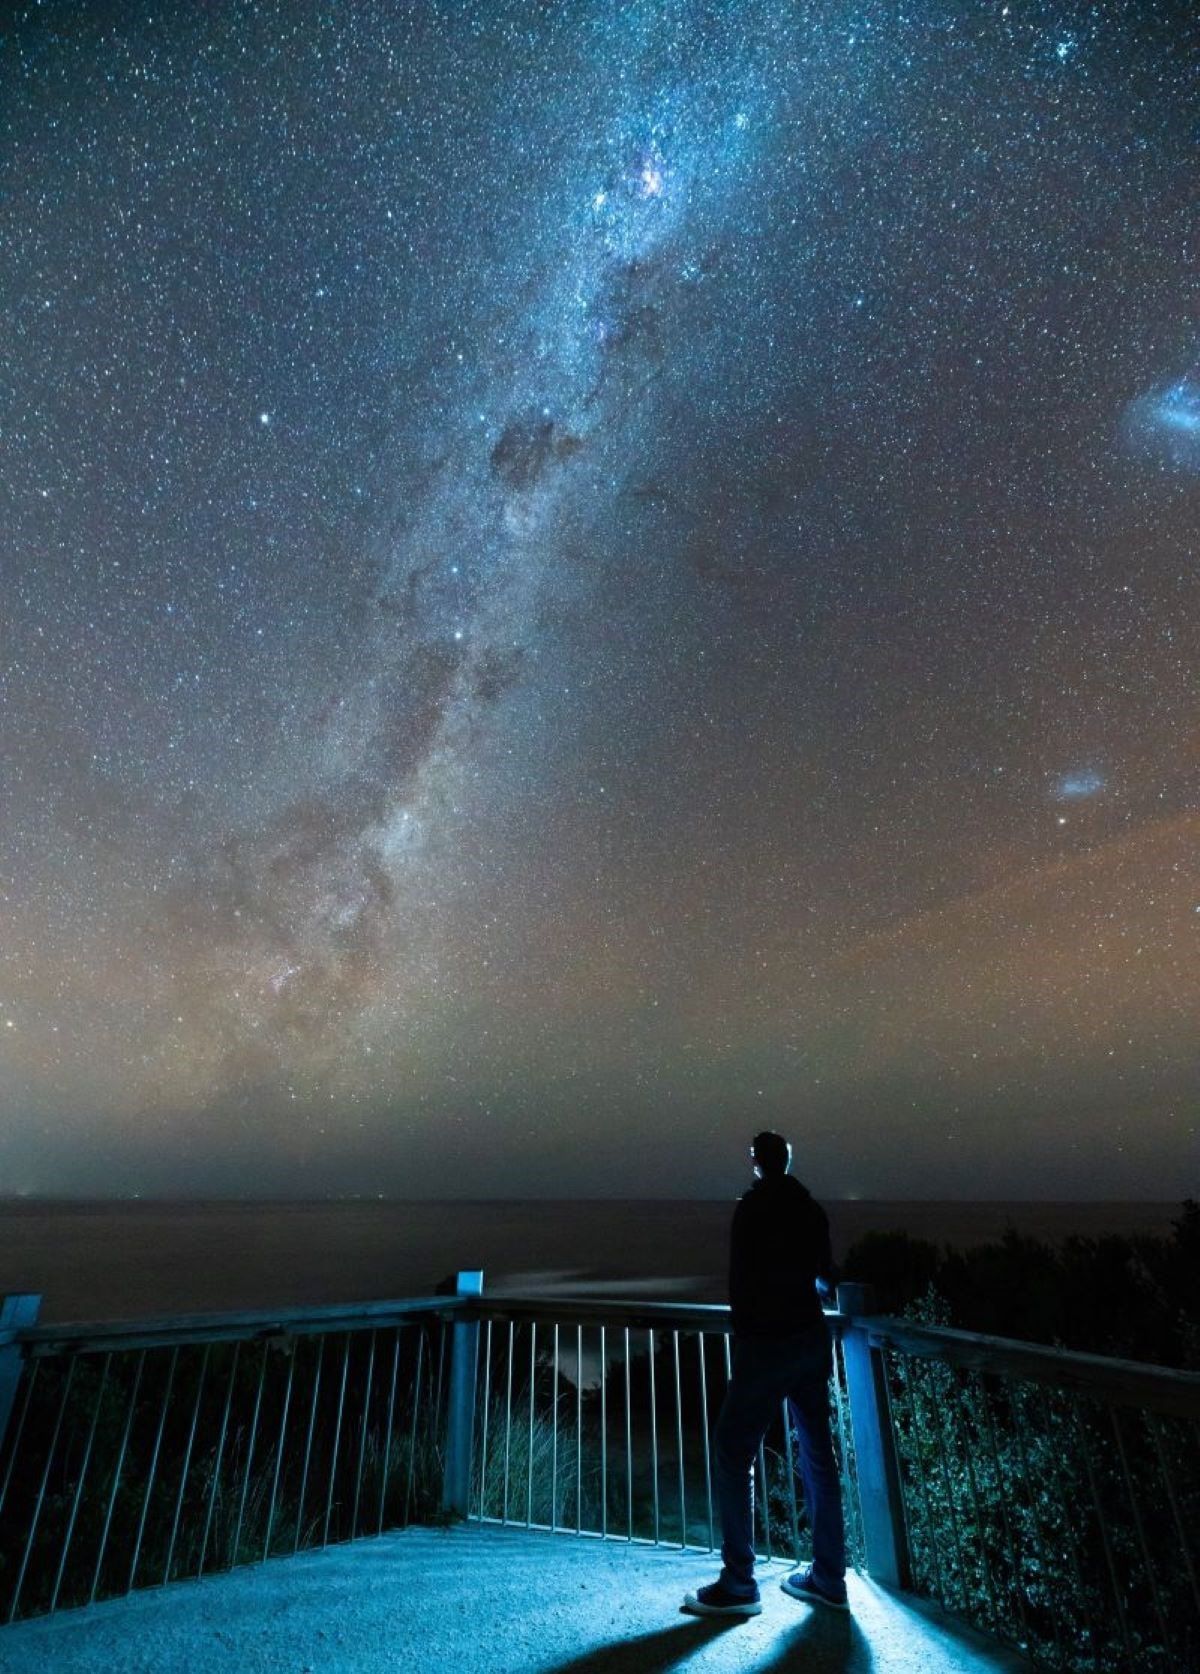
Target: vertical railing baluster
[529, 1461]
[849, 1486]
[554, 1437]
[579, 1429]
[220, 1454]
[1032, 1500]
[936, 1407]
[487, 1413]
[387, 1431]
[1069, 1529]
[924, 1427]
[679, 1441]
[441, 1374]
[153, 1471]
[252, 1442]
[603, 1433]
[41, 1494]
[964, 1442]
[789, 1456]
[727, 1341]
[187, 1462]
[1140, 1530]
[116, 1475]
[83, 1470]
[927, 1520]
[126, 1429]
[412, 1433]
[508, 1383]
[1105, 1539]
[653, 1430]
[337, 1437]
[1154, 1425]
[628, 1435]
[765, 1502]
[1013, 1551]
[708, 1483]
[362, 1437]
[893, 1430]
[31, 1372]
[281, 1443]
[308, 1441]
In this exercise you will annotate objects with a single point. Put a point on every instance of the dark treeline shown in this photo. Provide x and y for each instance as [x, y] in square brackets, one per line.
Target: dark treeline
[1134, 1297]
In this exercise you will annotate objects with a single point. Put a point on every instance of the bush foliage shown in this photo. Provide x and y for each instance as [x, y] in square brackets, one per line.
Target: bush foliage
[1133, 1298]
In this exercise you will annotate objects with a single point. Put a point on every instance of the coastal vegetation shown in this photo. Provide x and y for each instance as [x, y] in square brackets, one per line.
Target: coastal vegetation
[1135, 1298]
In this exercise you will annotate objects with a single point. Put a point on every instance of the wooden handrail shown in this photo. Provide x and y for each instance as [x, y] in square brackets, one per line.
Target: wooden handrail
[166, 1332]
[1118, 1382]
[615, 1311]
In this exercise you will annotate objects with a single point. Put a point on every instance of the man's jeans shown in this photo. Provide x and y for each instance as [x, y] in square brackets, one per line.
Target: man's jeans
[767, 1371]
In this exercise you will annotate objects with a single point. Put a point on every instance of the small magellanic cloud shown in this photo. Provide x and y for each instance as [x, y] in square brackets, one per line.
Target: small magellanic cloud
[1075, 787]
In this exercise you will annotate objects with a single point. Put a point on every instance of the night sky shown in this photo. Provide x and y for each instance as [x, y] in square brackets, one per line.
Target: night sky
[578, 579]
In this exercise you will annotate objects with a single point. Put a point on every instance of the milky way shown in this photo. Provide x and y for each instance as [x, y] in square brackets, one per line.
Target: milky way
[579, 577]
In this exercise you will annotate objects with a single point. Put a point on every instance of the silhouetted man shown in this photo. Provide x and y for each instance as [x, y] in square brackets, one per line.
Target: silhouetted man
[779, 1254]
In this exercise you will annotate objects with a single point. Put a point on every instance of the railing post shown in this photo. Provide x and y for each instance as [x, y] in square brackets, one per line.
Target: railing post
[460, 1414]
[18, 1311]
[875, 1460]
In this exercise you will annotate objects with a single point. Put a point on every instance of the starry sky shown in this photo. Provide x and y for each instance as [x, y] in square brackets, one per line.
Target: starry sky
[581, 577]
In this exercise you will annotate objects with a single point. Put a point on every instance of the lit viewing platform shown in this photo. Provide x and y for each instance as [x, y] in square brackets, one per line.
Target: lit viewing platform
[510, 1484]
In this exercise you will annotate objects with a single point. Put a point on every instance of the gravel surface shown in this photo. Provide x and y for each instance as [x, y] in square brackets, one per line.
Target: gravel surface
[493, 1601]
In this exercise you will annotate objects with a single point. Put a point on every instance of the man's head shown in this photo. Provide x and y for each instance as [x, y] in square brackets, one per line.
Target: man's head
[772, 1155]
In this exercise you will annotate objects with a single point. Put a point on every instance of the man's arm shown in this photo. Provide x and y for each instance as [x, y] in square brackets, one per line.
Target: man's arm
[824, 1263]
[741, 1279]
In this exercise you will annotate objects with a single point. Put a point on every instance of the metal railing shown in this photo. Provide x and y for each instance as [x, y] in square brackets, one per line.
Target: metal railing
[1049, 1498]
[596, 1419]
[141, 1454]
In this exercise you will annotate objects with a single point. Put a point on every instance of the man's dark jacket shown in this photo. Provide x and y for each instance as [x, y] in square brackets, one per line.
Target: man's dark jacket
[778, 1248]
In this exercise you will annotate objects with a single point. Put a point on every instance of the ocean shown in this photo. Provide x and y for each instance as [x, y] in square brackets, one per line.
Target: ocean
[129, 1260]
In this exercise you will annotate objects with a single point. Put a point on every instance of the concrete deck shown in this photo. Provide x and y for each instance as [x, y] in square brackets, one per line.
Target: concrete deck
[491, 1601]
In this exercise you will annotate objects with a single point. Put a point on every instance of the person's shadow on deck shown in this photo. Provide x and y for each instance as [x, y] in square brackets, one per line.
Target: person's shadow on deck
[823, 1643]
[647, 1653]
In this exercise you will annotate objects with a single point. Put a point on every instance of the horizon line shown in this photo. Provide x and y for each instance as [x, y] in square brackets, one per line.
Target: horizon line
[276, 1199]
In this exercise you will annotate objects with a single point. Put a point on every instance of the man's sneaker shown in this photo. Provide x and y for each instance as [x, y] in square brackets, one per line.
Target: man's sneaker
[800, 1584]
[717, 1600]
